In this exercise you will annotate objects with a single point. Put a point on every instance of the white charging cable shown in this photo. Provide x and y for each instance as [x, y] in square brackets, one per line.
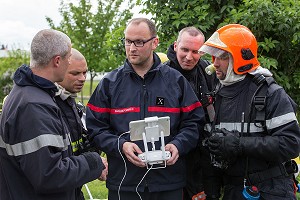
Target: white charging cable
[125, 166]
[88, 191]
[136, 189]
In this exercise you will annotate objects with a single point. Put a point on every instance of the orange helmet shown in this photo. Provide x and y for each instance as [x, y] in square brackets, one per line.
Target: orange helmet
[239, 41]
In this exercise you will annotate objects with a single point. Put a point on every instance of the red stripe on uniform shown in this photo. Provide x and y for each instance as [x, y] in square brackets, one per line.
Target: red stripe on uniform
[191, 107]
[115, 110]
[125, 110]
[174, 110]
[164, 109]
[97, 109]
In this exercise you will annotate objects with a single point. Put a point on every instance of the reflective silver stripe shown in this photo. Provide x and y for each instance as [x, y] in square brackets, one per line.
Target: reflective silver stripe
[237, 126]
[35, 144]
[234, 126]
[280, 120]
[270, 124]
[2, 144]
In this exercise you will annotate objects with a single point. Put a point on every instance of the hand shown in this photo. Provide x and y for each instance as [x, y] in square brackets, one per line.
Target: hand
[174, 154]
[104, 173]
[225, 147]
[130, 149]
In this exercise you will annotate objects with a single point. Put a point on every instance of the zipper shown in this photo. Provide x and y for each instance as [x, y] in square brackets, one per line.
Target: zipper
[145, 103]
[145, 100]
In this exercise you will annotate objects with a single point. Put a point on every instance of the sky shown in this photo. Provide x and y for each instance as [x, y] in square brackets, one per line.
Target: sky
[20, 20]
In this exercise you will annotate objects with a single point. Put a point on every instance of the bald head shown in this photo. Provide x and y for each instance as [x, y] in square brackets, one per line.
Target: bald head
[76, 73]
[76, 55]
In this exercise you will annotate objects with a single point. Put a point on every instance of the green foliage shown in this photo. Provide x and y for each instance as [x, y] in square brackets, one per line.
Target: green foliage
[276, 26]
[8, 66]
[275, 23]
[171, 16]
[96, 34]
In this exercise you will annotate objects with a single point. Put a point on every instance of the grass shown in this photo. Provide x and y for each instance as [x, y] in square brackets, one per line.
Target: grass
[97, 188]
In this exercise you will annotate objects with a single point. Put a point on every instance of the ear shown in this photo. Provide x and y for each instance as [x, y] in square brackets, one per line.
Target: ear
[175, 46]
[56, 60]
[155, 43]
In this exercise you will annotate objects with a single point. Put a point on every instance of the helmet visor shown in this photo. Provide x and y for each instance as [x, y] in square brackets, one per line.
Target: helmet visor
[212, 51]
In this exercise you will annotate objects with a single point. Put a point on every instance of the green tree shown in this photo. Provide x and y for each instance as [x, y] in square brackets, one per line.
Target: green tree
[173, 15]
[8, 66]
[96, 34]
[275, 24]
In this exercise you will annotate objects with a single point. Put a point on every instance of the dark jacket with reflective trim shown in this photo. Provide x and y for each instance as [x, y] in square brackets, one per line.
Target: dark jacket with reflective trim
[123, 96]
[265, 149]
[36, 159]
[72, 120]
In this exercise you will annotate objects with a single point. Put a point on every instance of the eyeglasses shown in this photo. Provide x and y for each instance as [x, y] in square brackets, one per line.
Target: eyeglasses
[137, 43]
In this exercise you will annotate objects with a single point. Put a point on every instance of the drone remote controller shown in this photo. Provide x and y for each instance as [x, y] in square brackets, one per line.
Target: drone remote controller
[155, 157]
[151, 130]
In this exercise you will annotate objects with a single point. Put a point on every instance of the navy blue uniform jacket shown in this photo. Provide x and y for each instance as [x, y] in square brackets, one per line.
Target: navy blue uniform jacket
[123, 96]
[36, 160]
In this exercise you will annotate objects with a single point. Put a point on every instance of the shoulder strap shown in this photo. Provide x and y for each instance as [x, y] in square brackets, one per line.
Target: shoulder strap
[259, 99]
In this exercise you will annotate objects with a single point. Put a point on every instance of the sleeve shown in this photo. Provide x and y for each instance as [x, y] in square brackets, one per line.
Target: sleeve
[43, 153]
[282, 141]
[192, 119]
[98, 122]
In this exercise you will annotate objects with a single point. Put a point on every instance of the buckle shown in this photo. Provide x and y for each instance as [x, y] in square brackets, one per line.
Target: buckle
[259, 102]
[290, 167]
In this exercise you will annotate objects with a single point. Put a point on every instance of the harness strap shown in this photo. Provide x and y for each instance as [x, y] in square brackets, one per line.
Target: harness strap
[259, 102]
[284, 169]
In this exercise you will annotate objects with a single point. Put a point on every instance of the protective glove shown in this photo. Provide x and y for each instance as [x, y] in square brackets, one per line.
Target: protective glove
[225, 145]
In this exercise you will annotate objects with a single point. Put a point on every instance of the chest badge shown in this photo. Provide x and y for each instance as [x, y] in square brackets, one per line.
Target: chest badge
[160, 101]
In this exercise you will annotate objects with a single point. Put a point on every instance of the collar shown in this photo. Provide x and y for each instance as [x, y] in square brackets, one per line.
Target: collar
[63, 93]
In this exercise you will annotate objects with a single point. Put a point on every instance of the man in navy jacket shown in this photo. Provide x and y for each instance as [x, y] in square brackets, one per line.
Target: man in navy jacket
[143, 87]
[36, 158]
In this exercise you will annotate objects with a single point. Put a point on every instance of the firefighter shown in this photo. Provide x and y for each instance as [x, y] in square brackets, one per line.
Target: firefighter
[254, 139]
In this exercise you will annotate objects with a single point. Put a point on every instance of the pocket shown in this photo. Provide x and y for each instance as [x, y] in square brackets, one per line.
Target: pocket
[276, 188]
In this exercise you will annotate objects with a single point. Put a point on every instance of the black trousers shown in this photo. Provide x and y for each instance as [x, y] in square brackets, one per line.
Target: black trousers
[146, 195]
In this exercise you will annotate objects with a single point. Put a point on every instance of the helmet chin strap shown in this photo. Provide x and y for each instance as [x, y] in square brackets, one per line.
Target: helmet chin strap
[231, 77]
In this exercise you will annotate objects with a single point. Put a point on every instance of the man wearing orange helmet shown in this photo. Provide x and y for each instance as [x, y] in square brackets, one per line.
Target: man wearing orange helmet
[255, 133]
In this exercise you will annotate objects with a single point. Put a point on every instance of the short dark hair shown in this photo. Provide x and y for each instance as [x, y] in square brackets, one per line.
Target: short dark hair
[150, 24]
[193, 31]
